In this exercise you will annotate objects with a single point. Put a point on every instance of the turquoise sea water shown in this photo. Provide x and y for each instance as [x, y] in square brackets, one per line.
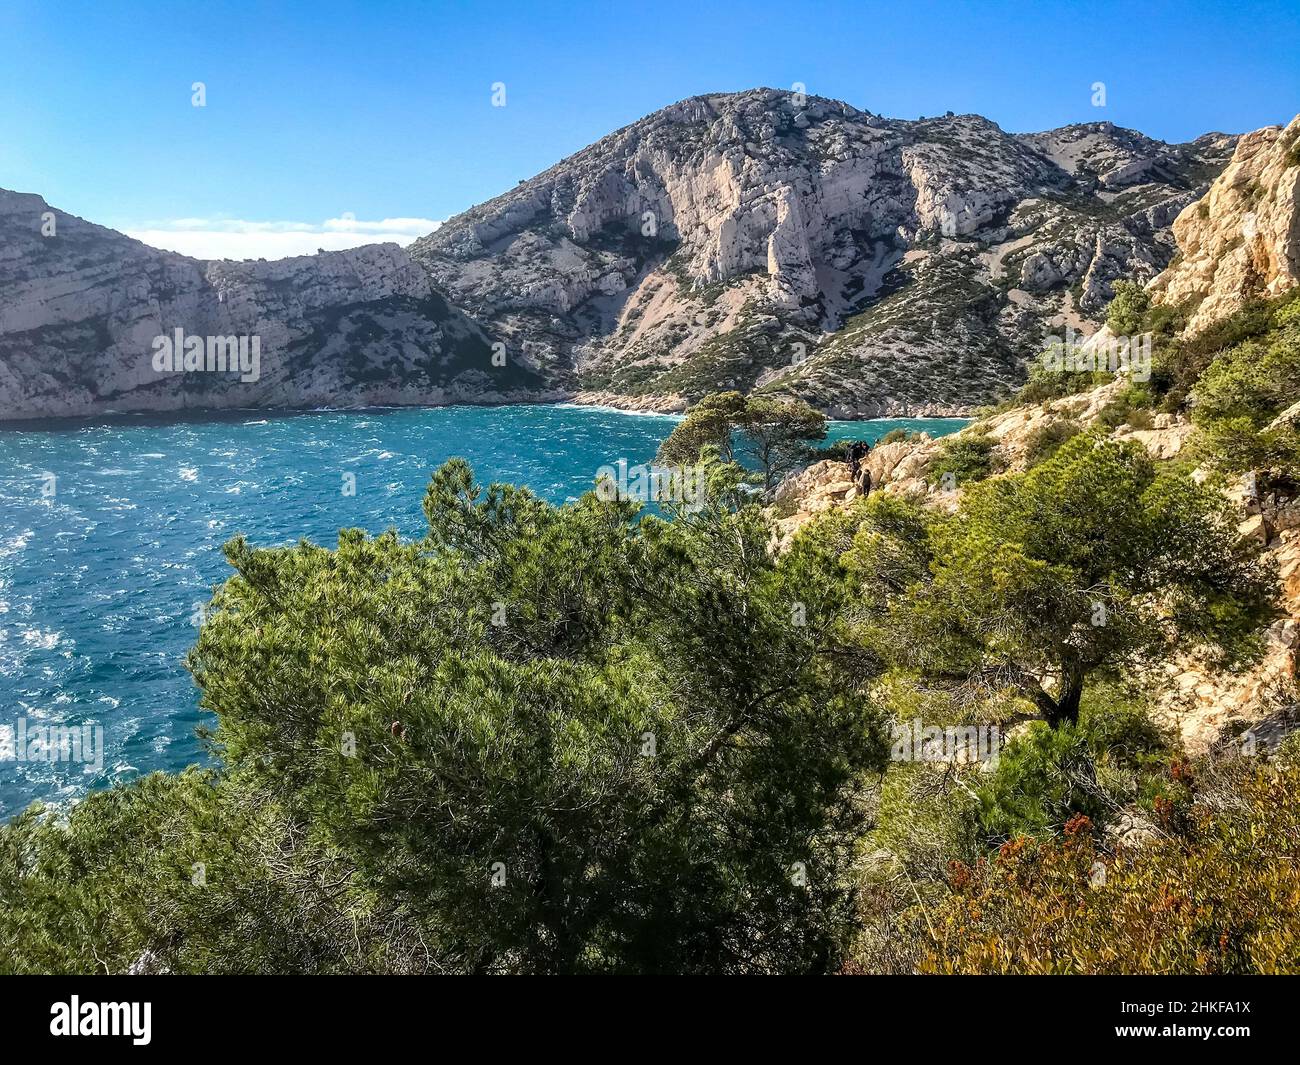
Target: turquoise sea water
[99, 581]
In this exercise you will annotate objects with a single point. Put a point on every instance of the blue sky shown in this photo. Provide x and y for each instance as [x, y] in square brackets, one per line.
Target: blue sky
[382, 110]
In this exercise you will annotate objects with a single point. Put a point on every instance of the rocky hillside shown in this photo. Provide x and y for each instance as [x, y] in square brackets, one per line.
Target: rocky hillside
[80, 308]
[1205, 707]
[761, 240]
[1239, 244]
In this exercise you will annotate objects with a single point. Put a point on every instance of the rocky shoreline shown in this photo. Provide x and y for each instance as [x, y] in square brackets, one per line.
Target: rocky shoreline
[176, 404]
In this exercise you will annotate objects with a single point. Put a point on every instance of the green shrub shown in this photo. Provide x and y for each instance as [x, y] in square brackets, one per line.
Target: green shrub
[1243, 390]
[1180, 361]
[1044, 441]
[1128, 308]
[1131, 406]
[1166, 320]
[967, 456]
[837, 450]
[1042, 778]
[1044, 385]
[1113, 755]
[898, 436]
[199, 874]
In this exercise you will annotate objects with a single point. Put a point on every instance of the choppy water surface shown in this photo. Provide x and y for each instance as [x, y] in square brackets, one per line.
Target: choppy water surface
[99, 581]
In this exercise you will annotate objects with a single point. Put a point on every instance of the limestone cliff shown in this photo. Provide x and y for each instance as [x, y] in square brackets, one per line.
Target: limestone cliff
[797, 244]
[758, 240]
[1242, 240]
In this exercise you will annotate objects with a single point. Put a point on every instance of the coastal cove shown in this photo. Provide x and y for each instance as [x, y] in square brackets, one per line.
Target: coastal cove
[111, 533]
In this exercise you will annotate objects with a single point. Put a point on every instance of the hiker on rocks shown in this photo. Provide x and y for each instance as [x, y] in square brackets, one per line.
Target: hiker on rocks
[855, 455]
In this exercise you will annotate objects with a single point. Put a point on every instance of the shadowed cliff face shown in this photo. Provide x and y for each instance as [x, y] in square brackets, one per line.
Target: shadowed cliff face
[759, 240]
[81, 308]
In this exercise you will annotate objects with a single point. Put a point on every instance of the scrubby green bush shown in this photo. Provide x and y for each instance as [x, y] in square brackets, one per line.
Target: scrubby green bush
[1044, 385]
[1113, 756]
[186, 873]
[1045, 441]
[898, 436]
[1180, 361]
[1127, 311]
[1242, 392]
[965, 458]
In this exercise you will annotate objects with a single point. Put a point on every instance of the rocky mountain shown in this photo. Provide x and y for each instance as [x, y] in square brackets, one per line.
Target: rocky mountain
[759, 240]
[81, 306]
[768, 240]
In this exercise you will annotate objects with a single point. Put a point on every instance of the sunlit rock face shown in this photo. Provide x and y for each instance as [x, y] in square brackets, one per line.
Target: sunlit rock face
[768, 240]
[1242, 240]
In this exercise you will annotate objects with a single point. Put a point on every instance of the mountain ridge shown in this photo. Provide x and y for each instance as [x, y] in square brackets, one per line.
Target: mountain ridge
[755, 240]
[742, 198]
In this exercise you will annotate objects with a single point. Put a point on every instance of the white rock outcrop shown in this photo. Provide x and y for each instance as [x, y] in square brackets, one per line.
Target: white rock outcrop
[768, 239]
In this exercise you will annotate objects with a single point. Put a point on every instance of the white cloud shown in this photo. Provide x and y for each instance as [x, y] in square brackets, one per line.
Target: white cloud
[219, 238]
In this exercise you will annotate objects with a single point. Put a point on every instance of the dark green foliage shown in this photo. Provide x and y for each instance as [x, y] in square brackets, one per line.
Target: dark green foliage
[1180, 361]
[1045, 384]
[1092, 561]
[710, 423]
[1044, 441]
[1167, 319]
[1111, 757]
[837, 450]
[541, 740]
[1245, 388]
[524, 743]
[202, 875]
[770, 435]
[1127, 311]
[1131, 407]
